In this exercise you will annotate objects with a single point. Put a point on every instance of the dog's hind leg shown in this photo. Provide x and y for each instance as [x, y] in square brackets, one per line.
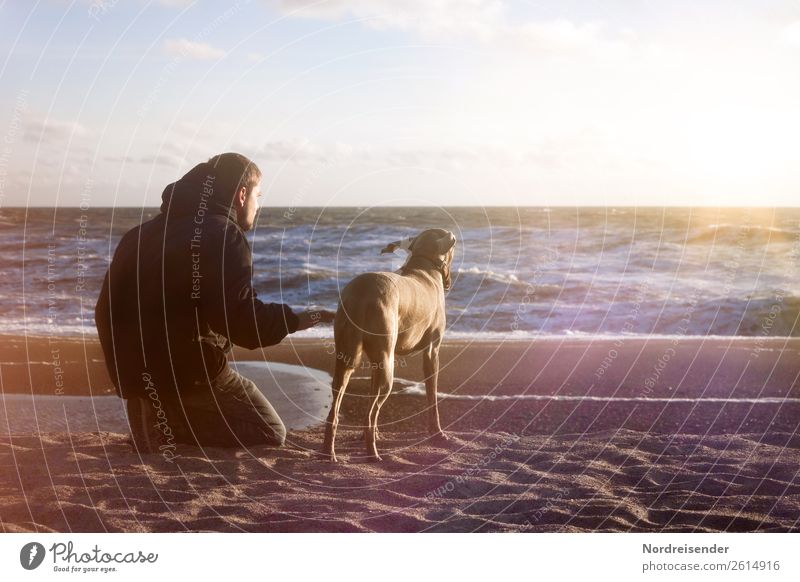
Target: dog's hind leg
[430, 367]
[382, 380]
[341, 376]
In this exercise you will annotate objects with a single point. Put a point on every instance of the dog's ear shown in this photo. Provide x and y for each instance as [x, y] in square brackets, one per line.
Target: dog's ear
[391, 247]
[404, 244]
[446, 278]
[445, 243]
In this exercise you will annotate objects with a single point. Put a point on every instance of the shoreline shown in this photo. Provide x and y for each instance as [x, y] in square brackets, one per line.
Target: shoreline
[596, 447]
[75, 365]
[691, 386]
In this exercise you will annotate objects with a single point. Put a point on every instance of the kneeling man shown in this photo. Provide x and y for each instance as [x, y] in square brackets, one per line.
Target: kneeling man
[176, 297]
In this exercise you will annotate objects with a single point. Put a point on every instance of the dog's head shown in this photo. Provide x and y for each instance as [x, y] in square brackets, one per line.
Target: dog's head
[435, 244]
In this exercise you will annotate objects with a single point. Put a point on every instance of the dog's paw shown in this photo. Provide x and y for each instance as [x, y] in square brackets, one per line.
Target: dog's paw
[326, 456]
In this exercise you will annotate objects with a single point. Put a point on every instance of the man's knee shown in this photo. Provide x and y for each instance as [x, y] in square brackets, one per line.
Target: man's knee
[250, 417]
[270, 431]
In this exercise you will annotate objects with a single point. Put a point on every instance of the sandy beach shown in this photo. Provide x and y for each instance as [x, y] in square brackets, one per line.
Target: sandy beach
[585, 434]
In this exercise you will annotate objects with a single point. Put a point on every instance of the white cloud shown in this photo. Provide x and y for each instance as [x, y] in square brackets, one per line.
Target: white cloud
[790, 35]
[169, 160]
[548, 153]
[48, 130]
[299, 150]
[559, 36]
[207, 130]
[484, 21]
[176, 3]
[431, 18]
[120, 159]
[187, 49]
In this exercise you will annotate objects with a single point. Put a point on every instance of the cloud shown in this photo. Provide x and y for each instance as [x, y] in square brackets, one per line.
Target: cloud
[207, 130]
[549, 153]
[186, 49]
[48, 130]
[169, 160]
[299, 150]
[790, 35]
[483, 21]
[559, 36]
[120, 159]
[430, 18]
[176, 3]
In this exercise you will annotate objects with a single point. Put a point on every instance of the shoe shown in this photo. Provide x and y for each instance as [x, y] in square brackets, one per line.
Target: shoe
[146, 434]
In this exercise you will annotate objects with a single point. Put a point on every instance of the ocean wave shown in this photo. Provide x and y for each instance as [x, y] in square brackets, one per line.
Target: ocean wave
[499, 277]
[749, 233]
[560, 273]
[297, 278]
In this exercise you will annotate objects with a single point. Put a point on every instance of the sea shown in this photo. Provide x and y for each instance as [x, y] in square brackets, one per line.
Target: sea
[518, 272]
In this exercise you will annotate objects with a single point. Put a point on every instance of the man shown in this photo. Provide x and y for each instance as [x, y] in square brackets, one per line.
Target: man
[178, 293]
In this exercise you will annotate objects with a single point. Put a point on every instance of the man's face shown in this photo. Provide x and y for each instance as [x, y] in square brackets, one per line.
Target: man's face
[246, 211]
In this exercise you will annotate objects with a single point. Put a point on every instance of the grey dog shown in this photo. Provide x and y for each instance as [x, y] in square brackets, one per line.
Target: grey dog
[388, 314]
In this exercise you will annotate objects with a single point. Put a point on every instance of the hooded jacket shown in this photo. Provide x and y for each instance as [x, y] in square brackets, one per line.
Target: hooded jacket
[179, 292]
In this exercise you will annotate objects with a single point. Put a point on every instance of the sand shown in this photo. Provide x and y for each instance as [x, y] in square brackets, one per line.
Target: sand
[689, 435]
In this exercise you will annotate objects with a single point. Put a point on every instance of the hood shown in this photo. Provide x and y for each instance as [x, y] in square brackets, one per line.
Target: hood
[201, 189]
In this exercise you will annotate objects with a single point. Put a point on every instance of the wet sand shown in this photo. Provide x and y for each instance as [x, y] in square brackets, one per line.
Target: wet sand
[300, 395]
[572, 435]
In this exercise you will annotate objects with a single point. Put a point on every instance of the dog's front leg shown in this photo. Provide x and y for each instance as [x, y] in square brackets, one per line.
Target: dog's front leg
[430, 367]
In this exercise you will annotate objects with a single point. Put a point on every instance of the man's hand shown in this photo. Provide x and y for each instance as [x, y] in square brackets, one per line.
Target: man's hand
[312, 317]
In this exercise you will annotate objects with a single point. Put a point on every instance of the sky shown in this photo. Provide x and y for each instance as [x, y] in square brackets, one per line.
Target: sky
[404, 102]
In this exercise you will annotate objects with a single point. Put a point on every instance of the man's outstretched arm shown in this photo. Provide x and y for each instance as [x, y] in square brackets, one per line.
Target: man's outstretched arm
[231, 304]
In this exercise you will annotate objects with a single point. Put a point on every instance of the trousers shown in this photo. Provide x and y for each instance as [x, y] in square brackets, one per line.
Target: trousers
[228, 411]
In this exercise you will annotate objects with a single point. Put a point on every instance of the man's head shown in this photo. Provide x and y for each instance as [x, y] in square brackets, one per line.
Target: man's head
[245, 178]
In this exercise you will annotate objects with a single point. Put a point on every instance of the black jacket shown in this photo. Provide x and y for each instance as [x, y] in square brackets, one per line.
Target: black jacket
[179, 292]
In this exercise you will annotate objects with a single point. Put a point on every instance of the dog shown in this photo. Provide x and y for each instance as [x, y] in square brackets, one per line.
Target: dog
[387, 314]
